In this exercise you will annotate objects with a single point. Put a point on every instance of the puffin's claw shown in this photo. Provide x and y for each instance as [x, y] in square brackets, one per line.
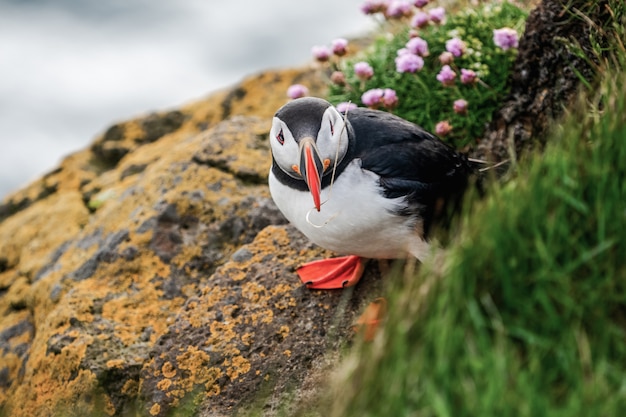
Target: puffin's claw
[333, 273]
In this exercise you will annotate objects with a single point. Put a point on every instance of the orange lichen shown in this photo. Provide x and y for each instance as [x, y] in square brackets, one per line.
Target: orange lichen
[247, 339]
[155, 409]
[236, 366]
[164, 384]
[283, 331]
[168, 370]
[115, 363]
[130, 387]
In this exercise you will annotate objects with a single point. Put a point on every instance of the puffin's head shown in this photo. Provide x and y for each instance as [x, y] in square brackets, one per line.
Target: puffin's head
[308, 137]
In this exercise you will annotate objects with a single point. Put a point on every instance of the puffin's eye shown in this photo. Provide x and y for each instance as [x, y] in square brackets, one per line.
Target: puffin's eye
[280, 137]
[332, 129]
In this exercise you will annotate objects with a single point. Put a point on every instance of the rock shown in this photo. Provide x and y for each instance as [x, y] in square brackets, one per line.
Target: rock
[542, 86]
[152, 271]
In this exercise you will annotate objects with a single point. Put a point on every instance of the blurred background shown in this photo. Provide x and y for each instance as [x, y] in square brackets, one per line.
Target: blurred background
[71, 68]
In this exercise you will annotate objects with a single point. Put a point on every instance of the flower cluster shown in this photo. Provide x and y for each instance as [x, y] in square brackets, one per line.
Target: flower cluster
[444, 71]
[377, 97]
[338, 47]
[441, 70]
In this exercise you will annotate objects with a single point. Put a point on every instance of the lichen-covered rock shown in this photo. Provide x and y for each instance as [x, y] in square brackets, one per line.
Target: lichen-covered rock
[153, 271]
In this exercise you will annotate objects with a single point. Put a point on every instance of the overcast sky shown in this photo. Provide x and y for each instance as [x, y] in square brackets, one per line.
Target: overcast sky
[71, 68]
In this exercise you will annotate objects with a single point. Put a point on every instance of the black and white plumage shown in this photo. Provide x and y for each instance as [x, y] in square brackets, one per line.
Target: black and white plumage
[390, 177]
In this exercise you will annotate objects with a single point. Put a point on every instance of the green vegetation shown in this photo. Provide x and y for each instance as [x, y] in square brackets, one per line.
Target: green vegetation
[422, 98]
[527, 314]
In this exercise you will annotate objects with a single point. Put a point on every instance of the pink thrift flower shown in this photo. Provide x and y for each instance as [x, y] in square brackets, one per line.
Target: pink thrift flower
[339, 46]
[321, 53]
[417, 46]
[420, 3]
[468, 76]
[420, 20]
[460, 106]
[437, 15]
[296, 91]
[363, 70]
[455, 46]
[409, 63]
[390, 98]
[505, 38]
[345, 106]
[372, 98]
[338, 78]
[446, 58]
[446, 76]
[374, 6]
[403, 51]
[398, 9]
[443, 128]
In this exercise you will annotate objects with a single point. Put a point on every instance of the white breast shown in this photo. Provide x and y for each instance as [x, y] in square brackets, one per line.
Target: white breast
[355, 218]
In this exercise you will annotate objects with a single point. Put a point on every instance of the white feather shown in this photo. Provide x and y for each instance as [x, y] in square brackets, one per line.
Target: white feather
[356, 218]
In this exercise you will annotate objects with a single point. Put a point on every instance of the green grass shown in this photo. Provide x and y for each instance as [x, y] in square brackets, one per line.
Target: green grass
[528, 315]
[422, 99]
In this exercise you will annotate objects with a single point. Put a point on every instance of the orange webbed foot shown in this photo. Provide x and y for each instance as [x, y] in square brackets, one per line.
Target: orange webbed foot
[333, 273]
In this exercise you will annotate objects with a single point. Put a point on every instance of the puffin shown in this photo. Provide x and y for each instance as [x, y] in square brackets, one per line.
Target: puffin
[363, 183]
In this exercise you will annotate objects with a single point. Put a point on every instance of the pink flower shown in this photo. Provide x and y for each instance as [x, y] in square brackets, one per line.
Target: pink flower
[338, 78]
[409, 63]
[398, 9]
[390, 99]
[372, 98]
[437, 15]
[446, 58]
[339, 46]
[363, 70]
[460, 106]
[374, 6]
[321, 53]
[455, 46]
[345, 106]
[505, 38]
[443, 128]
[420, 20]
[417, 46]
[468, 76]
[446, 76]
[296, 91]
[420, 3]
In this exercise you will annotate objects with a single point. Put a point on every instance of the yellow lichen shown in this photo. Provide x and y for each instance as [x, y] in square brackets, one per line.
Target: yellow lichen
[283, 331]
[155, 409]
[164, 384]
[168, 370]
[247, 339]
[130, 388]
[115, 363]
[236, 367]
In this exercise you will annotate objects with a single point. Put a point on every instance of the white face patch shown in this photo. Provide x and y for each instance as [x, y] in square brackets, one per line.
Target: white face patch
[331, 141]
[284, 147]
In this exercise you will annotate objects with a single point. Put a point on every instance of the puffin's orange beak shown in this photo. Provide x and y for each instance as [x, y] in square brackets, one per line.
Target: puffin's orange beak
[311, 169]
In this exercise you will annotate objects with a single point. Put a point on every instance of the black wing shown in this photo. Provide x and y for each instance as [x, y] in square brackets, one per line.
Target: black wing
[410, 161]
